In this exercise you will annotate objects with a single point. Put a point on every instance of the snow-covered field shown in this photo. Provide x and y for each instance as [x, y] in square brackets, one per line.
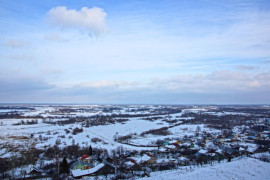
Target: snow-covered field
[243, 169]
[107, 127]
[105, 132]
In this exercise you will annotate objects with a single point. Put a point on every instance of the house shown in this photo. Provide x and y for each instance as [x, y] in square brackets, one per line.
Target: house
[131, 165]
[200, 153]
[35, 172]
[145, 159]
[176, 146]
[84, 163]
[148, 159]
[106, 169]
[219, 151]
[242, 150]
[86, 158]
[229, 152]
[165, 143]
[212, 153]
[178, 142]
[163, 161]
[251, 150]
[81, 165]
[166, 161]
[215, 154]
[170, 147]
[183, 161]
[267, 121]
[85, 172]
[178, 155]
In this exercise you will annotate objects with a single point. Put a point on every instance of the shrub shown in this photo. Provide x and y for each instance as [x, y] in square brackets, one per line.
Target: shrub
[77, 130]
[161, 131]
[95, 140]
[67, 131]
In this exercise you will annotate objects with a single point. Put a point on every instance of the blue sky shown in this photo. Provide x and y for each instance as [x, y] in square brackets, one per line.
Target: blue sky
[143, 52]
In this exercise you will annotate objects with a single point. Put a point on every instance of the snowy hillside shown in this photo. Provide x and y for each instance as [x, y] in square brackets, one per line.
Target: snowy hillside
[133, 141]
[247, 168]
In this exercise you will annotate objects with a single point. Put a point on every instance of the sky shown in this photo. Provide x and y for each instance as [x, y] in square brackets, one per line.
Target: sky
[135, 52]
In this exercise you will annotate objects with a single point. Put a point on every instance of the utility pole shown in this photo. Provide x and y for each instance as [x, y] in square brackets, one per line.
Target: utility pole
[57, 161]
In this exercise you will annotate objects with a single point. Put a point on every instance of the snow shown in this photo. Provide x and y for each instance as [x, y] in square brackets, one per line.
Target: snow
[242, 169]
[105, 133]
[3, 151]
[142, 159]
[241, 149]
[12, 110]
[145, 157]
[251, 149]
[190, 129]
[226, 113]
[22, 137]
[129, 164]
[159, 161]
[79, 172]
[170, 146]
[202, 151]
[182, 158]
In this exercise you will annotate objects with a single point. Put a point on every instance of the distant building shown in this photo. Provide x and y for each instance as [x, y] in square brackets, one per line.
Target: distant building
[267, 121]
[85, 166]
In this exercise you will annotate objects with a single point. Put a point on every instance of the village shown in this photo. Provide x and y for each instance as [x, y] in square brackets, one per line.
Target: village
[170, 155]
[182, 139]
[135, 90]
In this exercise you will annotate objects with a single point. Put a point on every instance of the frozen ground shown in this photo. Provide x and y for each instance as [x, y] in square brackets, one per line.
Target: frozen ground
[105, 133]
[242, 169]
[20, 135]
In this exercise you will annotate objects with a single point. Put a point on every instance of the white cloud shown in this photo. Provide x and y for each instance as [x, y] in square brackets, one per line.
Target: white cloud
[21, 57]
[14, 43]
[23, 85]
[111, 84]
[55, 37]
[214, 82]
[266, 61]
[187, 88]
[51, 71]
[245, 67]
[90, 19]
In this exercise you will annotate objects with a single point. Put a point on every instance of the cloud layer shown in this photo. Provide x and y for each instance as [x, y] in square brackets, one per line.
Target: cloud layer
[214, 87]
[14, 43]
[155, 52]
[22, 86]
[89, 19]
